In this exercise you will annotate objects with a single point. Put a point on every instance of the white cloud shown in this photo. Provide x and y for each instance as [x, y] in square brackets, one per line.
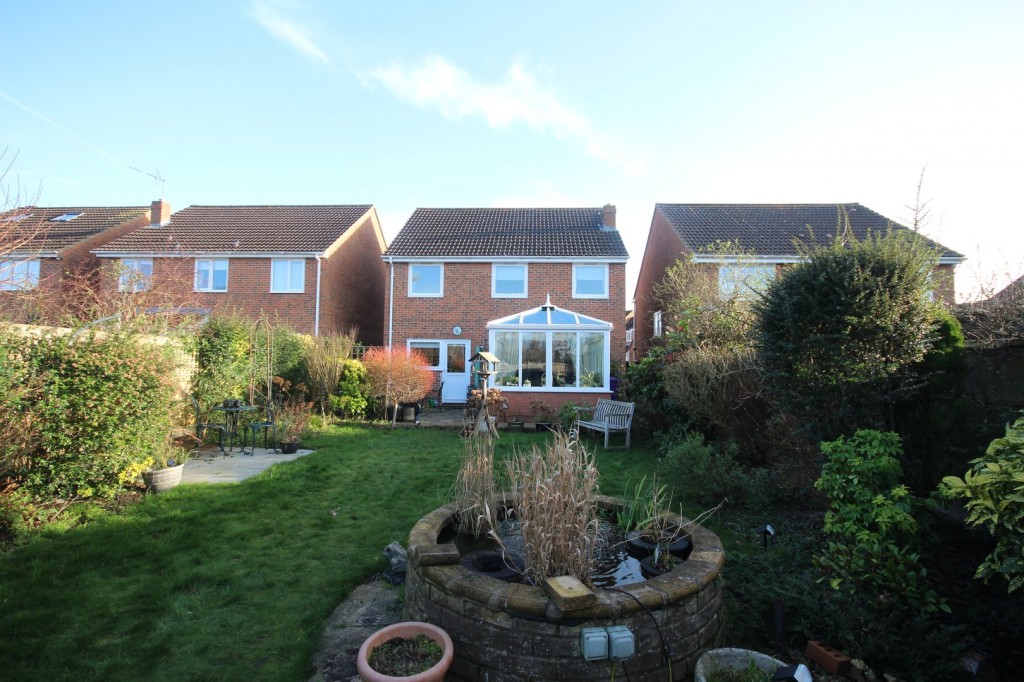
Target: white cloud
[436, 83]
[288, 31]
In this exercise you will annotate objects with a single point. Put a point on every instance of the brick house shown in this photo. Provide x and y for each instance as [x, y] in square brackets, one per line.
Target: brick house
[769, 231]
[43, 248]
[540, 288]
[315, 268]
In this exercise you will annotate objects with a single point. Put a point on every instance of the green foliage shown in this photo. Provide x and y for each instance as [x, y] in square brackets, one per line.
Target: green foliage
[349, 399]
[838, 333]
[103, 406]
[567, 414]
[994, 489]
[642, 383]
[871, 524]
[699, 471]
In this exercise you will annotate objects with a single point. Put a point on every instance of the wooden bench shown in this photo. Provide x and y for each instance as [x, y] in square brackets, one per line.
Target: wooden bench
[608, 416]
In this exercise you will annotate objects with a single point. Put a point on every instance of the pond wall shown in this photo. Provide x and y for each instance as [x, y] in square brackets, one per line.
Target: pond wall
[507, 632]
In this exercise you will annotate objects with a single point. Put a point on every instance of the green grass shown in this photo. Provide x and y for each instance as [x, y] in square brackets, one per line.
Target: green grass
[233, 582]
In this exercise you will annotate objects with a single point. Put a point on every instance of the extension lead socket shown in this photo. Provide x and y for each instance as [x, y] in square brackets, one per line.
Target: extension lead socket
[615, 642]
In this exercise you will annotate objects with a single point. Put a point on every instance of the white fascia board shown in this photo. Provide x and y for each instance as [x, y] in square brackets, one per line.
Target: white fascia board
[772, 260]
[14, 255]
[503, 259]
[752, 259]
[99, 253]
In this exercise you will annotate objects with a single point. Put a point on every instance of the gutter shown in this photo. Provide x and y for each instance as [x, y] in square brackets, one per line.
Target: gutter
[316, 313]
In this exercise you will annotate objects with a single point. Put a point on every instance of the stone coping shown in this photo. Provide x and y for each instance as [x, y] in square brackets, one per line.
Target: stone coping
[438, 565]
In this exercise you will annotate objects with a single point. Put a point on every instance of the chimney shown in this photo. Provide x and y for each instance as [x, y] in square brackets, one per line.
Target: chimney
[159, 213]
[608, 217]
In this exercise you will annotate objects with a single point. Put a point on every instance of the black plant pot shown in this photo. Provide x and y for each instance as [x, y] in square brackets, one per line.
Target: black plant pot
[641, 548]
[290, 447]
[495, 565]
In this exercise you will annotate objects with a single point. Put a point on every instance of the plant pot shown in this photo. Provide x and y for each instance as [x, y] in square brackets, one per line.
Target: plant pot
[290, 447]
[641, 548]
[408, 413]
[650, 570]
[733, 659]
[160, 480]
[407, 630]
[495, 565]
[515, 426]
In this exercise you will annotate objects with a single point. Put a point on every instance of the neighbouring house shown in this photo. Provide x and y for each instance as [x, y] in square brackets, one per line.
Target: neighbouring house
[631, 354]
[541, 288]
[316, 269]
[767, 234]
[45, 254]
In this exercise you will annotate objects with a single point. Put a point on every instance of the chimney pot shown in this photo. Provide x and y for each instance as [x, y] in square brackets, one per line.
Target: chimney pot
[159, 213]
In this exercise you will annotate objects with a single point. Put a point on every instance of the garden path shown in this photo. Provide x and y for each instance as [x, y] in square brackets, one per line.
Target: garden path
[213, 467]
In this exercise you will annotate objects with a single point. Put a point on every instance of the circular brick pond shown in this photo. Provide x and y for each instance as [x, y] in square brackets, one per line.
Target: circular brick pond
[506, 631]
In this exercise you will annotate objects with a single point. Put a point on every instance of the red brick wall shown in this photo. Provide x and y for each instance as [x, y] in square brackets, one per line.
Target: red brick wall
[353, 281]
[664, 247]
[467, 302]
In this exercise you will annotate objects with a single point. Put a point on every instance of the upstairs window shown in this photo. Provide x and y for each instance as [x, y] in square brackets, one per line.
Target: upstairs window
[136, 274]
[508, 281]
[211, 275]
[19, 275]
[743, 281]
[426, 280]
[658, 329]
[590, 281]
[287, 276]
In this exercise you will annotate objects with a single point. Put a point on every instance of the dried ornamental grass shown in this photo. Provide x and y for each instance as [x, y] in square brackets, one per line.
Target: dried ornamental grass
[557, 510]
[474, 487]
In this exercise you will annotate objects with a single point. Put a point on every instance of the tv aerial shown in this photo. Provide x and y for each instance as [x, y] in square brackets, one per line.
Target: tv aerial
[156, 176]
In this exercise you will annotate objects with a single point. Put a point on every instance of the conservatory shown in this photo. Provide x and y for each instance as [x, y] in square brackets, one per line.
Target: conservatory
[551, 349]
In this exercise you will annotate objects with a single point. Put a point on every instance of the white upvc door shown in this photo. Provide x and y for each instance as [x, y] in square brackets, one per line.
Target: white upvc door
[454, 371]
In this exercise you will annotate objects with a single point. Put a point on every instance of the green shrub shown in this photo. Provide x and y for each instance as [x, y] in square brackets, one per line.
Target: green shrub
[871, 524]
[701, 472]
[994, 489]
[103, 406]
[642, 383]
[839, 333]
[349, 399]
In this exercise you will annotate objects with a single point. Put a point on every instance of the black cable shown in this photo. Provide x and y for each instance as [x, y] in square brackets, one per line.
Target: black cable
[664, 649]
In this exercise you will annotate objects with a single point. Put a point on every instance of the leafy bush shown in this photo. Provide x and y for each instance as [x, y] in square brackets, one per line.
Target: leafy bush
[103, 406]
[642, 384]
[871, 524]
[701, 472]
[349, 399]
[838, 333]
[994, 489]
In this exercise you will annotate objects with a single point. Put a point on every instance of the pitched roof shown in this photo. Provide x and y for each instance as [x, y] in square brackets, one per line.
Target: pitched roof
[507, 232]
[773, 229]
[244, 229]
[38, 231]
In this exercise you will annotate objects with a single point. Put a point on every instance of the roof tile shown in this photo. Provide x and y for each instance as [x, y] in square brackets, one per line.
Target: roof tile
[37, 231]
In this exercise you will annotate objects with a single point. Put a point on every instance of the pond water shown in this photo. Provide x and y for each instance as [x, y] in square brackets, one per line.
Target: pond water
[613, 565]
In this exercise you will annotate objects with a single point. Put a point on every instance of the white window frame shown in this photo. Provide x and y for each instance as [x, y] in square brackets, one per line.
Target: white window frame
[131, 274]
[548, 386]
[211, 265]
[575, 280]
[494, 280]
[740, 285]
[629, 336]
[19, 274]
[656, 324]
[301, 262]
[415, 344]
[438, 294]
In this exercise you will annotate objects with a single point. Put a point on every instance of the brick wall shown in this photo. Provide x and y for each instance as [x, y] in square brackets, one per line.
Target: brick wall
[664, 247]
[353, 281]
[467, 302]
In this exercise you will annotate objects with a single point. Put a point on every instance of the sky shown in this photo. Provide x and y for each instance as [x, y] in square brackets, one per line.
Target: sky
[568, 103]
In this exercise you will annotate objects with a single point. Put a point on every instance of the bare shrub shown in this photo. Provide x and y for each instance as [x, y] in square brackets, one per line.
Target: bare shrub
[325, 361]
[397, 376]
[557, 510]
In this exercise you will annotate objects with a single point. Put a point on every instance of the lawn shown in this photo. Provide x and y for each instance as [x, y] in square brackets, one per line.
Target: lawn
[233, 582]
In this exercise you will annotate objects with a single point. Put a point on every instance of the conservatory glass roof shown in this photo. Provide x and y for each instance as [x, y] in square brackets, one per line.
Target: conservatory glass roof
[549, 315]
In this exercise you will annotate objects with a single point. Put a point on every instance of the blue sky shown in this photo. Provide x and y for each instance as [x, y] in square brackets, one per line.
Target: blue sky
[528, 104]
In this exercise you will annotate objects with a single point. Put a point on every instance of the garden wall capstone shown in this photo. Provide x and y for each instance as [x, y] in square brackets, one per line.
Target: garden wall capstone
[506, 632]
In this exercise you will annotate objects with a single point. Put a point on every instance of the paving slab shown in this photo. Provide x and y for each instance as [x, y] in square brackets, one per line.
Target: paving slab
[367, 609]
[211, 466]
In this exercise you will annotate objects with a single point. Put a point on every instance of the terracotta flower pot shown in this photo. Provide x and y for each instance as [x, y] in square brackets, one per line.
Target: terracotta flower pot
[160, 480]
[408, 630]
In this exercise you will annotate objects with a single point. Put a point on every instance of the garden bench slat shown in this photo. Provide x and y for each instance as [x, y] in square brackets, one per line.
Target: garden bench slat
[610, 416]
